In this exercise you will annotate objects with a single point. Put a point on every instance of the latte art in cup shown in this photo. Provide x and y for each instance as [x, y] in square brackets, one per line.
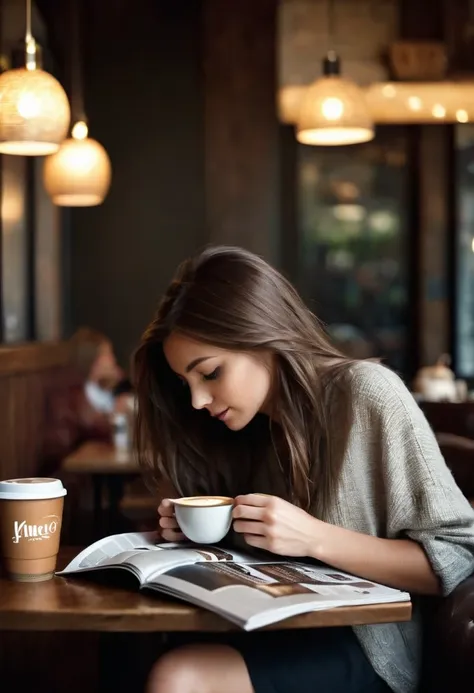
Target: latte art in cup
[204, 519]
[204, 501]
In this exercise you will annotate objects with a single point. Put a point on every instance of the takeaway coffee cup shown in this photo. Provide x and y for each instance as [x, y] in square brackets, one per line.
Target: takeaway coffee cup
[31, 512]
[204, 519]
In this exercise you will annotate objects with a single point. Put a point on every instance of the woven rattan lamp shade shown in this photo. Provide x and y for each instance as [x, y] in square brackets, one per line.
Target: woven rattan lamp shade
[79, 174]
[334, 111]
[34, 112]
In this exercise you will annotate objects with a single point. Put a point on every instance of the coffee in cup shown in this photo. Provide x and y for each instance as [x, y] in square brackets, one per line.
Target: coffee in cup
[204, 519]
[31, 512]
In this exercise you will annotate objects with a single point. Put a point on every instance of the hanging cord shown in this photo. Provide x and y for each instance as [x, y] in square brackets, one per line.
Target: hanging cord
[31, 53]
[28, 34]
[77, 100]
[331, 25]
[331, 64]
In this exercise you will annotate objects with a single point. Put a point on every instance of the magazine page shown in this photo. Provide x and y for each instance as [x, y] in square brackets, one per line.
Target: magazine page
[253, 595]
[140, 554]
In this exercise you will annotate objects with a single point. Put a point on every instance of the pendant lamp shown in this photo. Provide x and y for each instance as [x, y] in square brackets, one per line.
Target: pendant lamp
[79, 173]
[333, 110]
[34, 108]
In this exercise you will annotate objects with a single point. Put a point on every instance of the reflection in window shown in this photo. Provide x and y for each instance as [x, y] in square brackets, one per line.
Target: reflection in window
[354, 246]
[464, 303]
[14, 251]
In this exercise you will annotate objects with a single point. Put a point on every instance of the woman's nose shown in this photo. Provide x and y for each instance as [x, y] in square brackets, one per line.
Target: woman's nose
[200, 398]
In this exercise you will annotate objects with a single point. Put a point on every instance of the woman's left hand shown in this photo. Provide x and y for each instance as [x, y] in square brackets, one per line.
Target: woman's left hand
[273, 524]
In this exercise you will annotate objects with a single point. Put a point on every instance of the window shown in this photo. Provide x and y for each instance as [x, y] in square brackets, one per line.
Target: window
[464, 251]
[354, 245]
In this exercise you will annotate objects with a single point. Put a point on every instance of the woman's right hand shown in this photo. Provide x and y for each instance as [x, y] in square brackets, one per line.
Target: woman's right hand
[168, 527]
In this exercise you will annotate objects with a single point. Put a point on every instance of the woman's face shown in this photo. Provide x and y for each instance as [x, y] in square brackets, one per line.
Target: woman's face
[105, 370]
[232, 385]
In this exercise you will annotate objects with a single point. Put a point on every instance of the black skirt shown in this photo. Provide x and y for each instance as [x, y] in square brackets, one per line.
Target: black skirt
[322, 660]
[319, 660]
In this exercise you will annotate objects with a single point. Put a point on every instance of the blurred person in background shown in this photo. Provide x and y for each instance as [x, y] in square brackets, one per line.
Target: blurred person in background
[81, 409]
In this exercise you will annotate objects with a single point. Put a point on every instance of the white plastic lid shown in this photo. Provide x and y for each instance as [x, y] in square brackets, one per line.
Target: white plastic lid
[31, 488]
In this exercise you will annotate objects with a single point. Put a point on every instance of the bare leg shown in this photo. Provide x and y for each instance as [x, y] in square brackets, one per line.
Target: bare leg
[200, 669]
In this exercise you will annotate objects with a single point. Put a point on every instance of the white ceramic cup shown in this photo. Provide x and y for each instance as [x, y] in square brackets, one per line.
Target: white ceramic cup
[204, 519]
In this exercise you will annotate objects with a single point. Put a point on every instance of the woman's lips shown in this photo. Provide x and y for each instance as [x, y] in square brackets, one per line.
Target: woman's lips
[222, 415]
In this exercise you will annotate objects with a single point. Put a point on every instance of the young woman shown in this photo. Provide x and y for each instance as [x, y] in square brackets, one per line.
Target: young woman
[239, 393]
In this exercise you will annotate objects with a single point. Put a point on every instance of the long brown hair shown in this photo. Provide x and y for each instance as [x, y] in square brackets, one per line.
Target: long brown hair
[234, 300]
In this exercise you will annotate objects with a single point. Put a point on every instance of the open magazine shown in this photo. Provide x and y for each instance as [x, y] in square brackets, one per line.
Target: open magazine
[250, 591]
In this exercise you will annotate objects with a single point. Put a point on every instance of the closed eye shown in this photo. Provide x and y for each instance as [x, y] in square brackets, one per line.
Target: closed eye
[214, 375]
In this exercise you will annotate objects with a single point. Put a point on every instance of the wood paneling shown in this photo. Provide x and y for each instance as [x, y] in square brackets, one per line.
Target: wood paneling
[33, 358]
[26, 374]
[241, 137]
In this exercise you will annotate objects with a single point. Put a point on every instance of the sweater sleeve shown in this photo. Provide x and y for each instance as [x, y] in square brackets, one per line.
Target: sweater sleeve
[423, 502]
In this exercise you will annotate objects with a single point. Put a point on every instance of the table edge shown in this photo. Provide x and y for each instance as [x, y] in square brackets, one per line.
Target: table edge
[197, 619]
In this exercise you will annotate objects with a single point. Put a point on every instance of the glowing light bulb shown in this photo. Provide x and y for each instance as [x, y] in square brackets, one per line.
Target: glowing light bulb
[462, 116]
[80, 130]
[414, 102]
[438, 111]
[332, 108]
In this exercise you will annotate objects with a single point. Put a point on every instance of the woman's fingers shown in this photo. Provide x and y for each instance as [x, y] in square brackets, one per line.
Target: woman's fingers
[248, 512]
[166, 508]
[251, 527]
[172, 535]
[169, 528]
[168, 522]
[255, 499]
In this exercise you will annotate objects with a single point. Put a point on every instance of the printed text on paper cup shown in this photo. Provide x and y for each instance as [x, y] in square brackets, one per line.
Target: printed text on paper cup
[39, 532]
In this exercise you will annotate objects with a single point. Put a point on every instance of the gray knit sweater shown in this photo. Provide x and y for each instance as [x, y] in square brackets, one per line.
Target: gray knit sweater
[395, 483]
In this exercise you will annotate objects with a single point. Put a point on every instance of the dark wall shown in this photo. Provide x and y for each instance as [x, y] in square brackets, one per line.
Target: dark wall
[182, 95]
[143, 101]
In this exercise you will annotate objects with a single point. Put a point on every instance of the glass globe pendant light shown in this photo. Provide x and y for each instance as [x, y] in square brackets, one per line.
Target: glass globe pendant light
[34, 108]
[79, 173]
[333, 110]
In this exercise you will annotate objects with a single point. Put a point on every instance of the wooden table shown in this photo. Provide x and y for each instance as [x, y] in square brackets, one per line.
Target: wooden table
[125, 621]
[101, 458]
[73, 604]
[108, 468]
